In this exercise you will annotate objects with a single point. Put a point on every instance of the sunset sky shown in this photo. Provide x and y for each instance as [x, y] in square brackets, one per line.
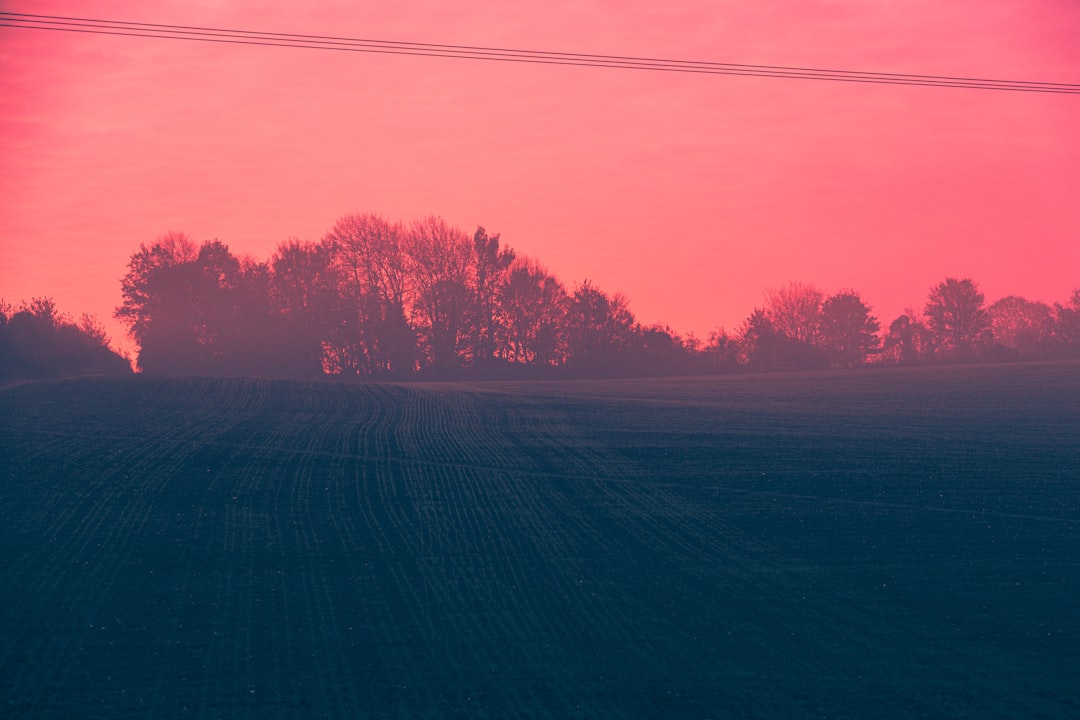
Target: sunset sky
[692, 194]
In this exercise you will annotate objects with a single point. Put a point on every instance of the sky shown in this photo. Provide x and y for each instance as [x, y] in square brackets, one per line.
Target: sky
[691, 194]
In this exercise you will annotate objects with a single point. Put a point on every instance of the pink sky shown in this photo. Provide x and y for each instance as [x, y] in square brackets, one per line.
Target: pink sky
[691, 194]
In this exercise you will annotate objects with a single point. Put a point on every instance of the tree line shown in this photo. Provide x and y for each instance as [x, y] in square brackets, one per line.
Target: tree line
[375, 298]
[799, 328]
[381, 299]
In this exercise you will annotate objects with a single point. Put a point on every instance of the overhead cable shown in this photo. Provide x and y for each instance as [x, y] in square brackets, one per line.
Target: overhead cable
[364, 45]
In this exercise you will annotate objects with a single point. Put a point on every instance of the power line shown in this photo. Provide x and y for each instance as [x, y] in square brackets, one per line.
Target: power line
[96, 26]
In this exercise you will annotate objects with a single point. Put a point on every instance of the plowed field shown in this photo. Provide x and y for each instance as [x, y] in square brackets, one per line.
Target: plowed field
[888, 543]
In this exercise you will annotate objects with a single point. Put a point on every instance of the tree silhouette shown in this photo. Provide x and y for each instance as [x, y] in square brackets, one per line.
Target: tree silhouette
[795, 310]
[369, 252]
[190, 312]
[1020, 328]
[765, 348]
[159, 309]
[908, 340]
[260, 343]
[304, 287]
[439, 258]
[1066, 326]
[598, 327]
[491, 266]
[659, 350]
[214, 295]
[90, 326]
[957, 319]
[848, 332]
[37, 341]
[723, 351]
[376, 298]
[532, 306]
[790, 338]
[146, 279]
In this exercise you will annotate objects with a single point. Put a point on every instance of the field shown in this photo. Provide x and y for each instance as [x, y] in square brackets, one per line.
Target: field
[870, 544]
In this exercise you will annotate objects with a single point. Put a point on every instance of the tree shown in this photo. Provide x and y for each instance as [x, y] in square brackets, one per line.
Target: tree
[598, 326]
[181, 306]
[789, 339]
[907, 342]
[142, 305]
[36, 340]
[260, 341]
[531, 312]
[723, 350]
[214, 296]
[304, 287]
[158, 304]
[764, 348]
[795, 310]
[1066, 325]
[370, 253]
[847, 330]
[439, 258]
[957, 319]
[491, 266]
[657, 349]
[1020, 328]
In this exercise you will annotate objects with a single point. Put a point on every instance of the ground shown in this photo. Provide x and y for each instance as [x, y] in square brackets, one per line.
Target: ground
[878, 543]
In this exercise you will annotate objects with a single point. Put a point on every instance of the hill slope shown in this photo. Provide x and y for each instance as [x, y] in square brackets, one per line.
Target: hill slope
[895, 543]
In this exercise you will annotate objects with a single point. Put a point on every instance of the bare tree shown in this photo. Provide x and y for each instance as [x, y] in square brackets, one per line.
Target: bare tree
[531, 312]
[795, 310]
[370, 253]
[439, 259]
